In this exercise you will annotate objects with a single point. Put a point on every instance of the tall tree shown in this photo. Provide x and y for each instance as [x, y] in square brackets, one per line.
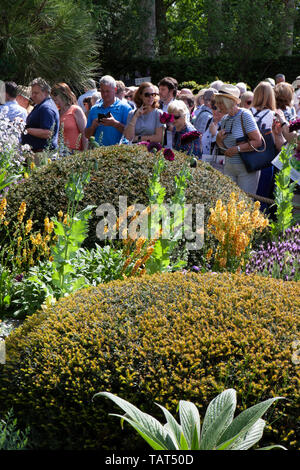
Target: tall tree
[49, 38]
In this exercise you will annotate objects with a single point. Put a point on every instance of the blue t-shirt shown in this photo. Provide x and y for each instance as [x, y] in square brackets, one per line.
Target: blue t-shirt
[108, 135]
[14, 110]
[43, 116]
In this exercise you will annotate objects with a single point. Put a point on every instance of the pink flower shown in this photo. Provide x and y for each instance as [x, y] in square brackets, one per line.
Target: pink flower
[169, 155]
[189, 137]
[165, 118]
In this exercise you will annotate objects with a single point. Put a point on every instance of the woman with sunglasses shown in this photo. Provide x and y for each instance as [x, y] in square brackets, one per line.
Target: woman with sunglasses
[183, 126]
[143, 124]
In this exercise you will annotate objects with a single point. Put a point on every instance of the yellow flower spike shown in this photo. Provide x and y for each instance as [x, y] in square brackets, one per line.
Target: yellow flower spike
[60, 214]
[209, 254]
[28, 226]
[19, 239]
[21, 211]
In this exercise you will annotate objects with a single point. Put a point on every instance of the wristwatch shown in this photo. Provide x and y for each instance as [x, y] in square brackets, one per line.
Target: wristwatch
[238, 148]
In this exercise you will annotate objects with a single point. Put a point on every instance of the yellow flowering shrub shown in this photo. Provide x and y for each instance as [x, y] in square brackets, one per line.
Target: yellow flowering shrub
[149, 339]
[20, 246]
[233, 225]
[122, 170]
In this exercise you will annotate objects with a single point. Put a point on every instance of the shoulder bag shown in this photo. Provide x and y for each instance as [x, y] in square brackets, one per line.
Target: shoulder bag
[259, 158]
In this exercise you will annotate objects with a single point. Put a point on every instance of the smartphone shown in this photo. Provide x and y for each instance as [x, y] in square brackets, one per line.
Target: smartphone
[103, 116]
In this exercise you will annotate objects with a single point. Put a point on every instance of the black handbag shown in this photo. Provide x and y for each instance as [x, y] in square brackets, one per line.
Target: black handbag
[261, 157]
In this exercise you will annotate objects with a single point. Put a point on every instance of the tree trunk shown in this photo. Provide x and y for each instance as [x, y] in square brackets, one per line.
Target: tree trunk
[163, 36]
[288, 34]
[148, 33]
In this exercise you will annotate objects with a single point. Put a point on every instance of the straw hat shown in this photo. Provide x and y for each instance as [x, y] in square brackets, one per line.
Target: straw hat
[24, 91]
[229, 91]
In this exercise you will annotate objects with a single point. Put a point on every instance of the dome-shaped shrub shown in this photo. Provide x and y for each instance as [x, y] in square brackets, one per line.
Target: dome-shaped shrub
[160, 339]
[122, 171]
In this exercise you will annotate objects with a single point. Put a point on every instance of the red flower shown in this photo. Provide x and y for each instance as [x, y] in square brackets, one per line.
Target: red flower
[189, 137]
[169, 155]
[294, 125]
[165, 118]
[151, 145]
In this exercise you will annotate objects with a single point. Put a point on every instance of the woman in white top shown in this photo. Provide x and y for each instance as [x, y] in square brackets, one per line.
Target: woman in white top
[144, 122]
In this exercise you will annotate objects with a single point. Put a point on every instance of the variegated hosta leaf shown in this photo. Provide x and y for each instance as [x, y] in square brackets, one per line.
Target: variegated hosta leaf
[143, 422]
[226, 399]
[190, 423]
[245, 420]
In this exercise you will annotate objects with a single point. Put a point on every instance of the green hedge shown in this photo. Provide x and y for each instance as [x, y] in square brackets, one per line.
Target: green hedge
[159, 338]
[203, 70]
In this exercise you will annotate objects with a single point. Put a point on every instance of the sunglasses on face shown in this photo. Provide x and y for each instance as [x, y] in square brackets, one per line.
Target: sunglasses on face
[176, 117]
[147, 95]
[249, 102]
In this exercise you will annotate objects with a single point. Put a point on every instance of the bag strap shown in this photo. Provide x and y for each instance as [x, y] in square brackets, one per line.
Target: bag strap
[245, 134]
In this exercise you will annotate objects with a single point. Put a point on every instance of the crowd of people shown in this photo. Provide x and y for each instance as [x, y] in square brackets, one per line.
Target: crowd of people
[225, 119]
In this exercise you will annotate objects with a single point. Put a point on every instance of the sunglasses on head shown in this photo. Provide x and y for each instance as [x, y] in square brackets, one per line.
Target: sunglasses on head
[147, 95]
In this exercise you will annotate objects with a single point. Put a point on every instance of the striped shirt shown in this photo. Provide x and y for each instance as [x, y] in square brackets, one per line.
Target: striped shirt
[233, 125]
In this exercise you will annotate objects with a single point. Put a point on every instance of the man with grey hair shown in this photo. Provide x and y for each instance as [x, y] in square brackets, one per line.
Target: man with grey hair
[42, 123]
[107, 119]
[89, 90]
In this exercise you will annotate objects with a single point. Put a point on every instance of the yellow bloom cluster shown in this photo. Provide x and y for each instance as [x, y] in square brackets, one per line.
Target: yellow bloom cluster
[3, 205]
[25, 247]
[233, 225]
[136, 249]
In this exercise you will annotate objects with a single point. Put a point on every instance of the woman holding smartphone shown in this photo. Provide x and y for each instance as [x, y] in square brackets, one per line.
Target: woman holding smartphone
[143, 124]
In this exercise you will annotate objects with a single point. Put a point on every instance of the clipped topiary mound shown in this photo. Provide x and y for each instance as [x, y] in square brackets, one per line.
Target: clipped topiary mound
[160, 339]
[122, 171]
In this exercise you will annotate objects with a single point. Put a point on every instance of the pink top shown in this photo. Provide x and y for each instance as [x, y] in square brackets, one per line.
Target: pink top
[71, 131]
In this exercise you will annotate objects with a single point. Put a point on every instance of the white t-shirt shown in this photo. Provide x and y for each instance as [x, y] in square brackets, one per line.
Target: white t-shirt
[268, 117]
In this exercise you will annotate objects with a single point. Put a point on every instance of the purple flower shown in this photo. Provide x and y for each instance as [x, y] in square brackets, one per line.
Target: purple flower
[165, 118]
[19, 277]
[294, 125]
[189, 137]
[154, 146]
[169, 154]
[151, 146]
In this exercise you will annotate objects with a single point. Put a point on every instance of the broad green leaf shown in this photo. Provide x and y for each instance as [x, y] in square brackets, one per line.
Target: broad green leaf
[226, 399]
[272, 447]
[146, 423]
[174, 428]
[245, 420]
[148, 435]
[190, 423]
[212, 434]
[251, 437]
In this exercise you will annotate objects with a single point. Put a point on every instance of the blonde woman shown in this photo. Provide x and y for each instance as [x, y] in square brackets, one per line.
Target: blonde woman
[72, 117]
[232, 140]
[143, 123]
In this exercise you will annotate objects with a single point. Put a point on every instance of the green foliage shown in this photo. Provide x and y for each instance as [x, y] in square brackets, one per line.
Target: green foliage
[160, 259]
[283, 194]
[156, 338]
[219, 430]
[100, 264]
[54, 39]
[121, 170]
[11, 438]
